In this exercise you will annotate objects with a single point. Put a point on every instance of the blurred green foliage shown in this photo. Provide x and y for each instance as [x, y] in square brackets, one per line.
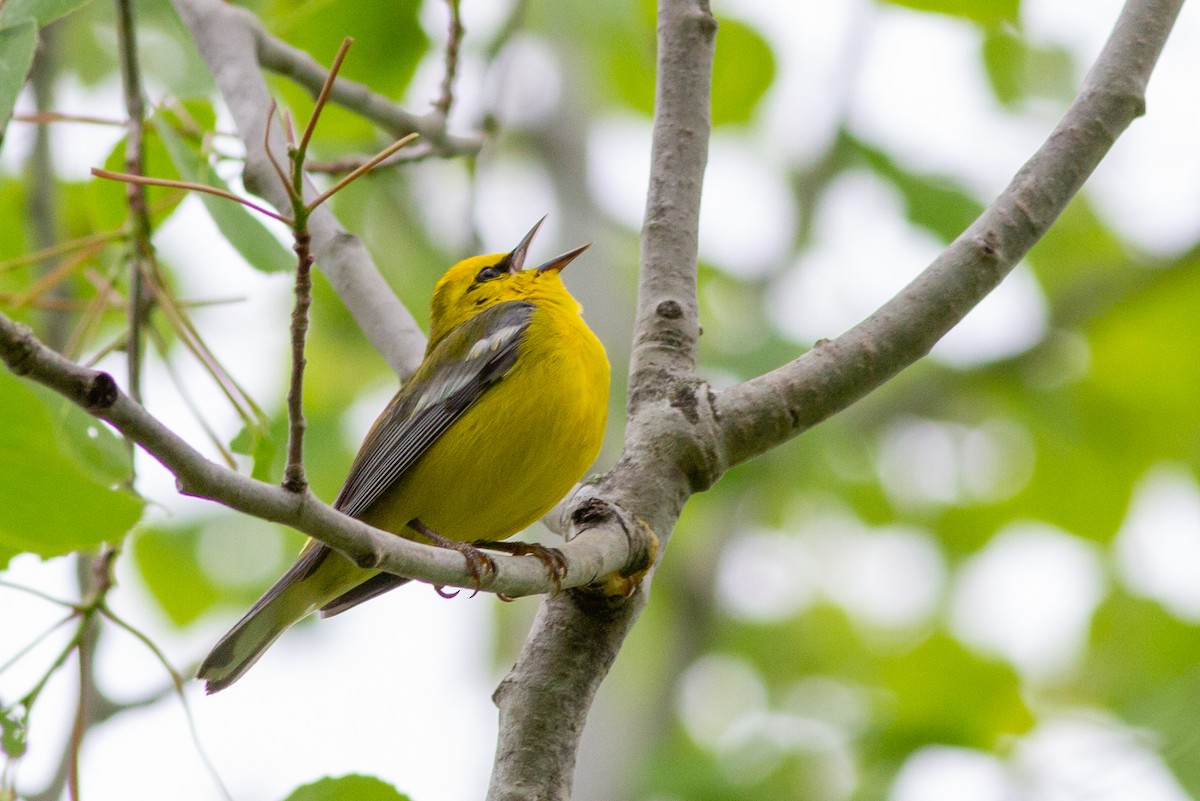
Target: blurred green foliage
[1060, 434]
[985, 12]
[347, 788]
[33, 516]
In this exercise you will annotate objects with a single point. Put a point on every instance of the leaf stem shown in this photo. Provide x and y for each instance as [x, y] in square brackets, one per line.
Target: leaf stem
[361, 170]
[190, 186]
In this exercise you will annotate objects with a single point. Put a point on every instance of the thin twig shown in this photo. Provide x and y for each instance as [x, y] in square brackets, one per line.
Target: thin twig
[177, 683]
[135, 192]
[38, 640]
[283, 178]
[80, 725]
[160, 343]
[294, 478]
[453, 41]
[89, 321]
[323, 96]
[42, 198]
[190, 186]
[63, 247]
[10, 585]
[51, 280]
[366, 167]
[242, 402]
[54, 303]
[48, 117]
[293, 474]
[346, 164]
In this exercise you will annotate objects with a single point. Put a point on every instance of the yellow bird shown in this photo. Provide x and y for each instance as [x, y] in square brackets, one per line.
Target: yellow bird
[503, 416]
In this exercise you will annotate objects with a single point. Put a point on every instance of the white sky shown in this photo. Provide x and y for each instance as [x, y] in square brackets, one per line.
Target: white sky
[417, 710]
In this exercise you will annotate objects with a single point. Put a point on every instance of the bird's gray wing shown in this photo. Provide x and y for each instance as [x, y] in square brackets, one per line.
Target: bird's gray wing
[456, 374]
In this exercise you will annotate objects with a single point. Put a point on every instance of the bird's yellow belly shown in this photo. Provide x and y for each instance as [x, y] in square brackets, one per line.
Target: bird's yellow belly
[512, 455]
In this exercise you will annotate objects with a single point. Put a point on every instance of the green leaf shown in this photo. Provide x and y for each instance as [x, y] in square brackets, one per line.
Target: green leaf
[13, 206]
[17, 43]
[388, 39]
[932, 202]
[1142, 663]
[1137, 649]
[13, 731]
[1004, 60]
[1144, 363]
[629, 59]
[1077, 246]
[93, 445]
[166, 560]
[743, 70]
[258, 444]
[353, 787]
[1017, 70]
[943, 693]
[241, 227]
[48, 505]
[43, 12]
[984, 12]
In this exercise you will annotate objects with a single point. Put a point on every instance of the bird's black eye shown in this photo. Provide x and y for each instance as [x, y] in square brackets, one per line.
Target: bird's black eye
[488, 273]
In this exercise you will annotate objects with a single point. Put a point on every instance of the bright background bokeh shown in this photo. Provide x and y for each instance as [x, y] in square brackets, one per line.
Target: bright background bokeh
[981, 582]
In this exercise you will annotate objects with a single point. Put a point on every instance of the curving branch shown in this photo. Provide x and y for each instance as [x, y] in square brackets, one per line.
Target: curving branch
[231, 40]
[604, 545]
[765, 411]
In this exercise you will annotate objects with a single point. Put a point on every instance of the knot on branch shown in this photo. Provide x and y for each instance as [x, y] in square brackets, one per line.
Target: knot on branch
[100, 392]
[701, 16]
[669, 309]
[591, 513]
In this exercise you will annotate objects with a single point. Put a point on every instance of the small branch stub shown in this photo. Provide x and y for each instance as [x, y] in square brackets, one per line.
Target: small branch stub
[101, 393]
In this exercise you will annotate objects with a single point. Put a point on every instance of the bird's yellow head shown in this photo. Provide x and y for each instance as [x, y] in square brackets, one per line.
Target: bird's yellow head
[480, 282]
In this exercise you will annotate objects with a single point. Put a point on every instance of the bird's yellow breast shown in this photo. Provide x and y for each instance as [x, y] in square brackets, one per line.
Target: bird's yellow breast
[520, 448]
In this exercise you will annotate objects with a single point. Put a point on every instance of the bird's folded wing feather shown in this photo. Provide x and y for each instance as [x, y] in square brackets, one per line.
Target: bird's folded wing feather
[459, 370]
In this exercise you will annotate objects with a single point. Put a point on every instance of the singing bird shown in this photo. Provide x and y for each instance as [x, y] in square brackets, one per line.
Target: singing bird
[502, 417]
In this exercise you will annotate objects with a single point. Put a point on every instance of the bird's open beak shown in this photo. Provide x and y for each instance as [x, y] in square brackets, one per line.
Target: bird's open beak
[558, 262]
[516, 259]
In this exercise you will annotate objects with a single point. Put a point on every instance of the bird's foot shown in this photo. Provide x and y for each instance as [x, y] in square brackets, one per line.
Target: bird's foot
[479, 564]
[552, 558]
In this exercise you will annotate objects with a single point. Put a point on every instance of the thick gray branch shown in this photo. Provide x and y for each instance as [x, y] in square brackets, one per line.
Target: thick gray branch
[566, 655]
[602, 547]
[545, 699]
[228, 39]
[767, 410]
[667, 328]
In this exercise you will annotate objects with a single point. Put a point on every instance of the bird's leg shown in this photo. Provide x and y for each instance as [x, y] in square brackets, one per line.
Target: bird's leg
[552, 558]
[478, 563]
